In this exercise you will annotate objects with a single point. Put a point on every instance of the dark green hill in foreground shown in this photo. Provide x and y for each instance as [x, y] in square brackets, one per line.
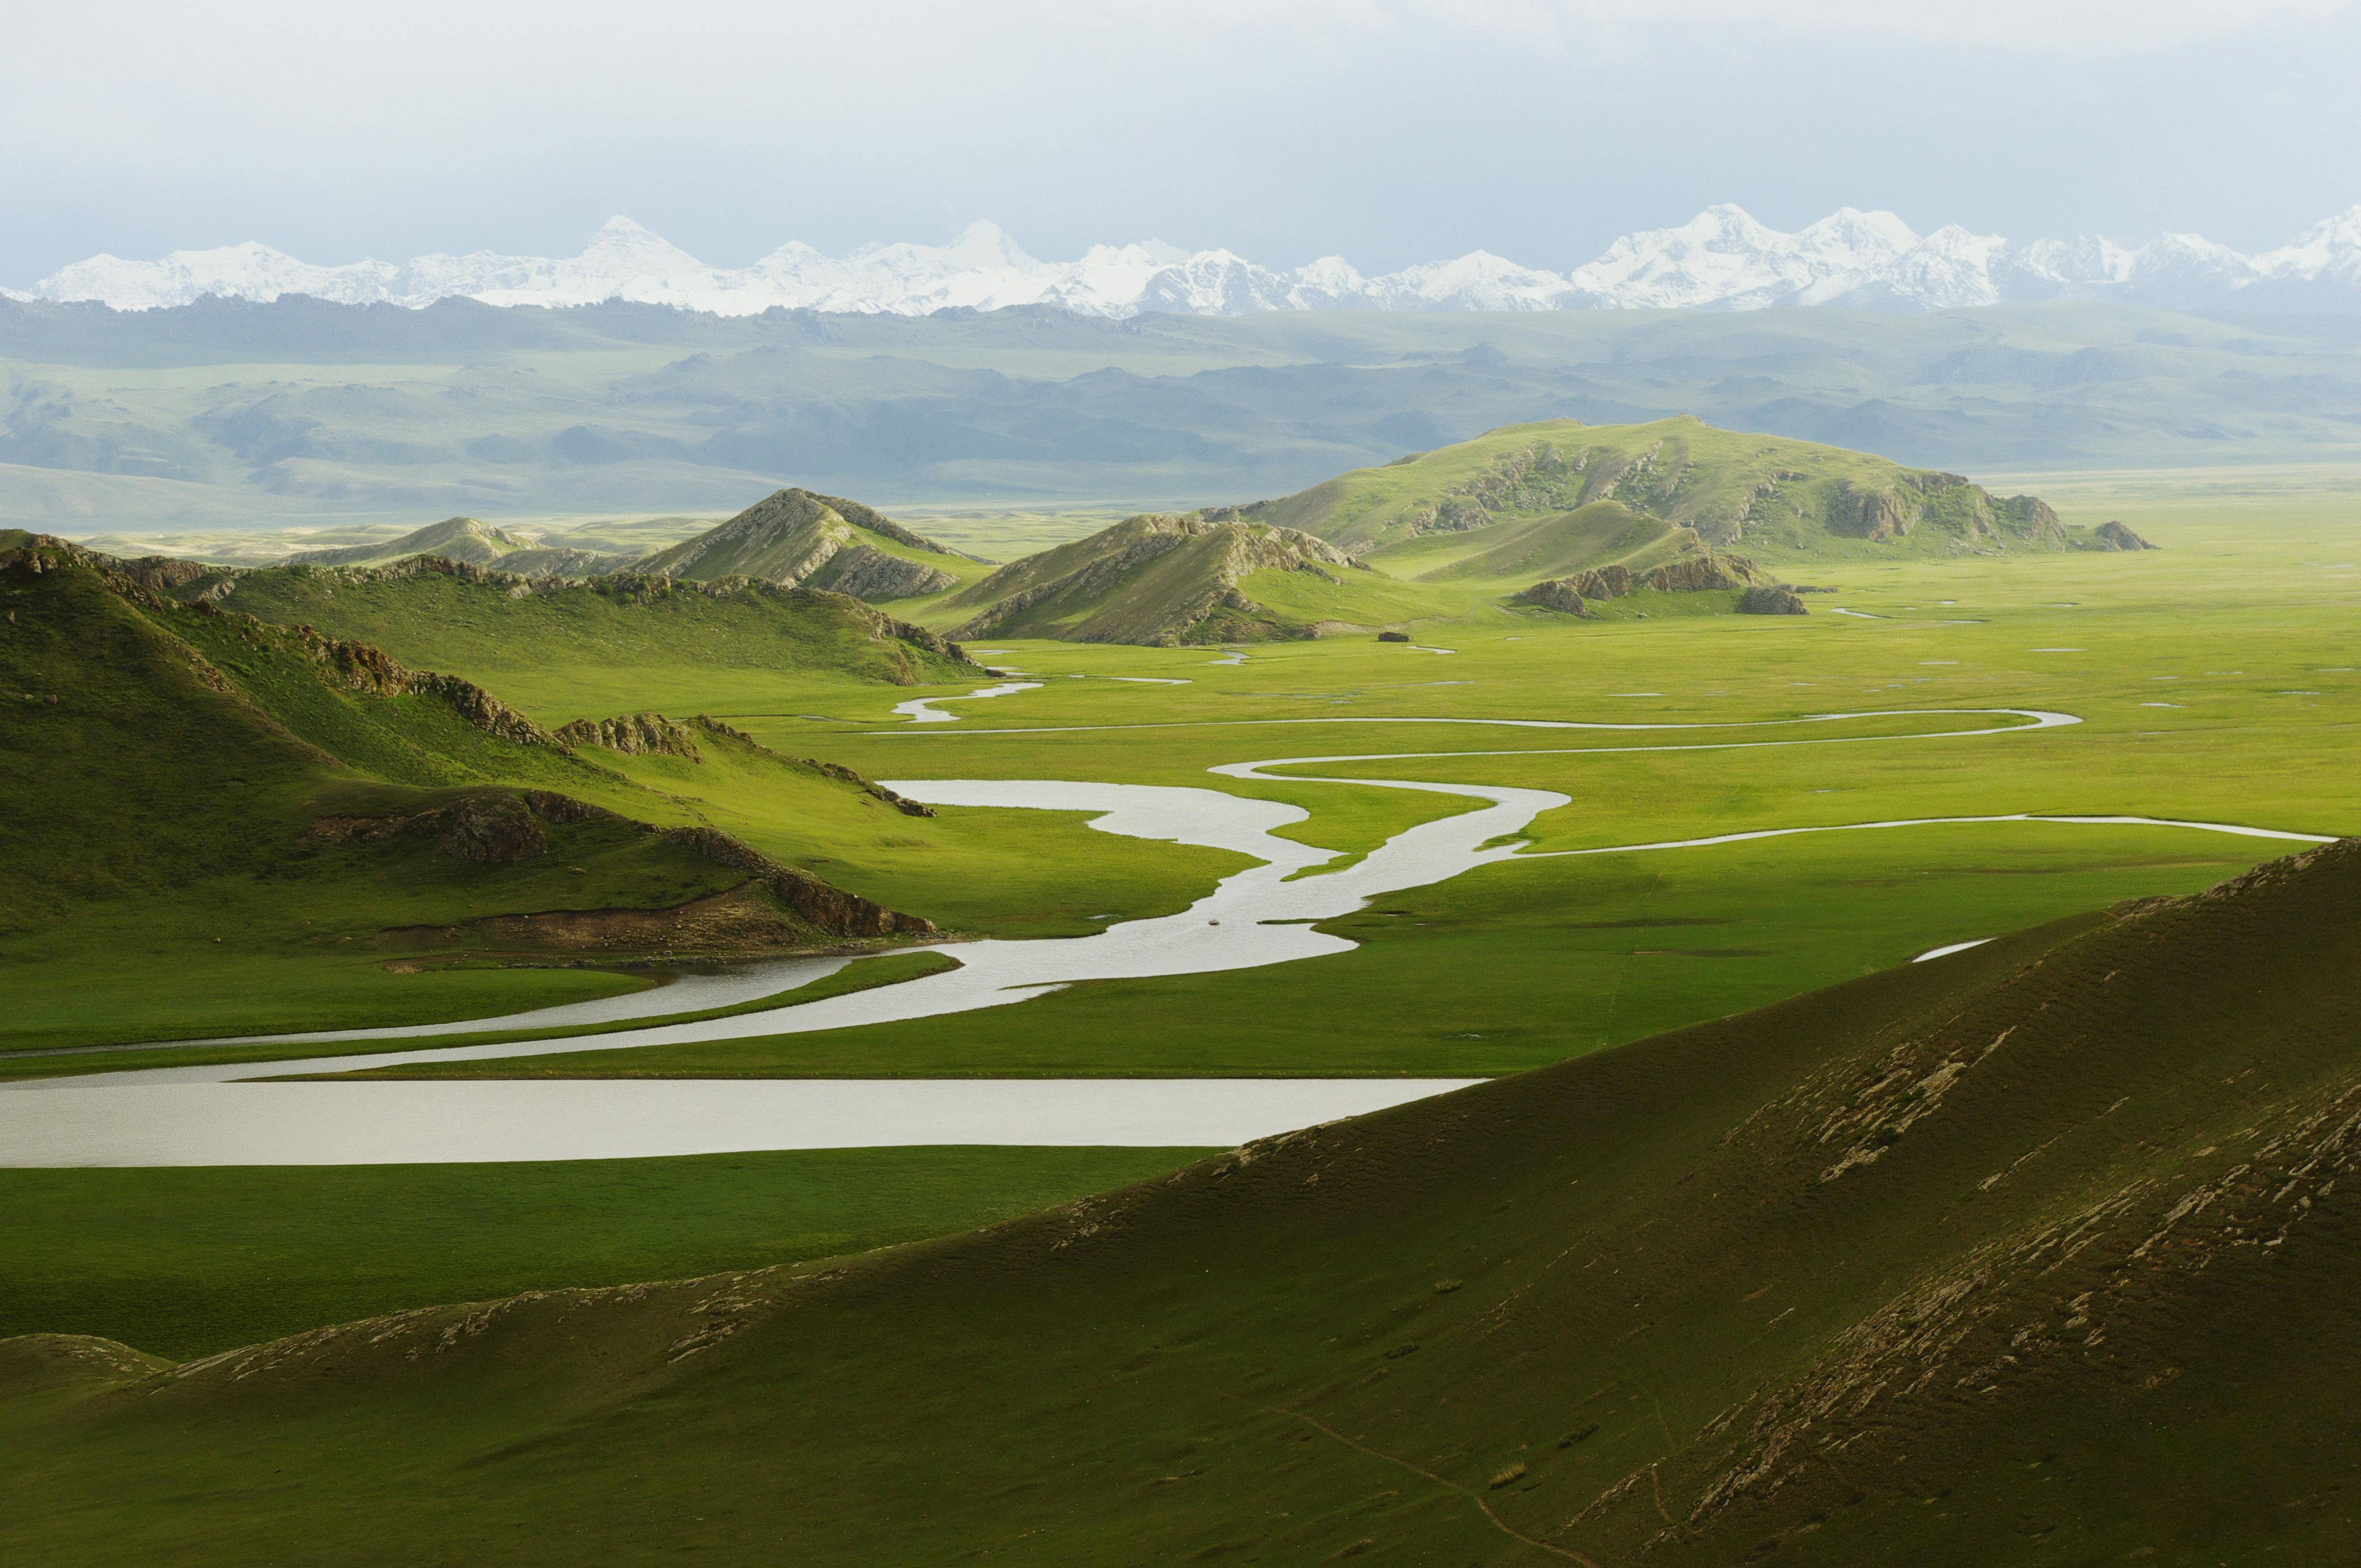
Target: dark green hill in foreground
[2042, 1253]
[186, 790]
[1766, 495]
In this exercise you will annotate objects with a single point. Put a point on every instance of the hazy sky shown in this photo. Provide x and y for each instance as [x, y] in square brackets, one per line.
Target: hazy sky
[1392, 131]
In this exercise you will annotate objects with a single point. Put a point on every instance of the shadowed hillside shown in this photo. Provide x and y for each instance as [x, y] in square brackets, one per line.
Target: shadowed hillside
[2037, 1253]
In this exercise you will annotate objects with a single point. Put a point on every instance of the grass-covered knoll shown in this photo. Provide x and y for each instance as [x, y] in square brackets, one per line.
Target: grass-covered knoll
[2040, 1248]
[797, 538]
[1601, 533]
[1001, 873]
[589, 638]
[291, 826]
[193, 1261]
[1781, 498]
[1157, 580]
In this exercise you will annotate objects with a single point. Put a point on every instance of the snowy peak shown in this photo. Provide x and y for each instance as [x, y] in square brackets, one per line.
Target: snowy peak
[1723, 259]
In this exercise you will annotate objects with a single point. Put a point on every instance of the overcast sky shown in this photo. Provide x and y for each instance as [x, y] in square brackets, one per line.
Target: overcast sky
[1390, 131]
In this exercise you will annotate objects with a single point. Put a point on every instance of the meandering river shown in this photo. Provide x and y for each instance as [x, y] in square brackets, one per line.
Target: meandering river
[1265, 914]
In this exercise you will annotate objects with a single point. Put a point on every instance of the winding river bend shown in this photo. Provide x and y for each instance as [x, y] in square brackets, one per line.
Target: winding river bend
[1262, 916]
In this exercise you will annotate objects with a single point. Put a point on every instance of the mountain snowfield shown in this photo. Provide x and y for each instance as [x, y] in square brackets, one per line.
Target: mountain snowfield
[1721, 259]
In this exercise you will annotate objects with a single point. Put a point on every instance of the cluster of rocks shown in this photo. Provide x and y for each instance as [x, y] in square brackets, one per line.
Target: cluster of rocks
[1705, 571]
[2113, 536]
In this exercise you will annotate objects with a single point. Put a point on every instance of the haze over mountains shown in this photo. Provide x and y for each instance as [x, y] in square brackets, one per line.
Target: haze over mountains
[1721, 259]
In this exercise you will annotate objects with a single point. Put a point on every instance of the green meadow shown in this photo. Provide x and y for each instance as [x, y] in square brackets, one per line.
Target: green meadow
[2217, 678]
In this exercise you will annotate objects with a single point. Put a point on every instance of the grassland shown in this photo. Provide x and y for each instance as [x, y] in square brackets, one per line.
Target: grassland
[189, 1262]
[2033, 1254]
[2242, 623]
[2215, 677]
[1563, 1284]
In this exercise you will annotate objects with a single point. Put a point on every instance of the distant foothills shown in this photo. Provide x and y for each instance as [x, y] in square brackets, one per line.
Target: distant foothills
[1721, 259]
[1592, 521]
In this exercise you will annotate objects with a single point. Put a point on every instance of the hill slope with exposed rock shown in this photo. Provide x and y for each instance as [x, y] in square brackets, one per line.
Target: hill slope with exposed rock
[467, 539]
[1779, 499]
[798, 538]
[1153, 580]
[2040, 1251]
[1752, 591]
[247, 792]
[433, 610]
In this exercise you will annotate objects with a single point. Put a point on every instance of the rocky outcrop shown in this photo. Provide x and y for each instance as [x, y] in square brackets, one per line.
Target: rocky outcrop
[370, 669]
[632, 735]
[1770, 600]
[2114, 536]
[1702, 571]
[1963, 508]
[871, 574]
[1560, 594]
[495, 828]
[868, 786]
[551, 562]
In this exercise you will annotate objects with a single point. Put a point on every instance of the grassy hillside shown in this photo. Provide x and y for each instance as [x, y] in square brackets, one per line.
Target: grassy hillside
[796, 538]
[194, 1261]
[1781, 498]
[1601, 533]
[299, 828]
[1155, 580]
[2034, 1253]
[590, 640]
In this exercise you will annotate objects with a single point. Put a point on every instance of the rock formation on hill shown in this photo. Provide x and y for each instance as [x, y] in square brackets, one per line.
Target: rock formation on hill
[2114, 536]
[1156, 579]
[1703, 571]
[801, 539]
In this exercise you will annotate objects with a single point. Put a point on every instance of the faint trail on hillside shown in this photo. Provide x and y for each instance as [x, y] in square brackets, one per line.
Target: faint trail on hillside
[1482, 1503]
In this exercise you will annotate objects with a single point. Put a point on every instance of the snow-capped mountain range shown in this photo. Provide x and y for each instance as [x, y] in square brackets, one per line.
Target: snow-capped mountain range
[1721, 259]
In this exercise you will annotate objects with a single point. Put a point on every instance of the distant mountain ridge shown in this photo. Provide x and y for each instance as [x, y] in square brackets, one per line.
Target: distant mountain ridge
[1721, 259]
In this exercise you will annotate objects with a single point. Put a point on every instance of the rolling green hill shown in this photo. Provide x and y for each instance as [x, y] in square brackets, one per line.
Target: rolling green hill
[1779, 499]
[798, 538]
[293, 822]
[1158, 580]
[2037, 1253]
[526, 633]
